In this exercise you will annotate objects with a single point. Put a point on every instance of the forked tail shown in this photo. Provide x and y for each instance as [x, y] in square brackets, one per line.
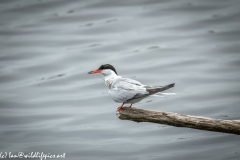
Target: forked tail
[153, 90]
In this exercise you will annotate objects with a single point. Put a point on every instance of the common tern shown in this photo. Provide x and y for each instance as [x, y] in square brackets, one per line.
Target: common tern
[125, 90]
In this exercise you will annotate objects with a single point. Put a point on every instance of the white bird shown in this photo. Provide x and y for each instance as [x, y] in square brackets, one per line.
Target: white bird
[125, 90]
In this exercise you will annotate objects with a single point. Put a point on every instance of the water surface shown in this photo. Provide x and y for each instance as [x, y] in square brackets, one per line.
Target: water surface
[50, 104]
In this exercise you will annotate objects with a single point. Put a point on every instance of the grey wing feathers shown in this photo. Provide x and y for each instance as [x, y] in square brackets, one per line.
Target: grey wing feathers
[153, 90]
[131, 81]
[125, 89]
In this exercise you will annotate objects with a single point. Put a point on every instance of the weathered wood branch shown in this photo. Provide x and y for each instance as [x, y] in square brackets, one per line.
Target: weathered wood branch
[179, 120]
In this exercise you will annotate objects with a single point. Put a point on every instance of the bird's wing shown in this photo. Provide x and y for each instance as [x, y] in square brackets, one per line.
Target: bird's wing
[124, 89]
[153, 90]
[130, 81]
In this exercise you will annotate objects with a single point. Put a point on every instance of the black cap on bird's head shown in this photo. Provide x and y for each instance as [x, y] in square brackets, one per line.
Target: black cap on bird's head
[107, 66]
[102, 67]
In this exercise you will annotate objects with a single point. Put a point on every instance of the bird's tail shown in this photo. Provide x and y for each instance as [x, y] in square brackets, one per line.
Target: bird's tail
[152, 90]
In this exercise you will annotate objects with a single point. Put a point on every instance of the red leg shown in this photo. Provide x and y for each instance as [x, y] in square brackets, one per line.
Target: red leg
[130, 106]
[119, 108]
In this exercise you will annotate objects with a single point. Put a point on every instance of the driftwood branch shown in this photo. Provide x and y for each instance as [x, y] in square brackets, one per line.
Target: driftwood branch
[179, 120]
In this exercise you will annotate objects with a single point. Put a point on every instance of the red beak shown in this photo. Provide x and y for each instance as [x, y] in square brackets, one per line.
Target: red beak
[95, 71]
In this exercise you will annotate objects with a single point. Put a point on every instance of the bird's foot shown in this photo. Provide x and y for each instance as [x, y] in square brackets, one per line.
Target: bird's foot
[119, 108]
[130, 106]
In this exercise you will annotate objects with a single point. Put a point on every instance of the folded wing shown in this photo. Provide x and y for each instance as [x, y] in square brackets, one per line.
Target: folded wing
[124, 89]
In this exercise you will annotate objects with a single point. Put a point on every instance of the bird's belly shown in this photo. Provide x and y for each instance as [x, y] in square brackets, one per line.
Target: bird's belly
[120, 96]
[115, 97]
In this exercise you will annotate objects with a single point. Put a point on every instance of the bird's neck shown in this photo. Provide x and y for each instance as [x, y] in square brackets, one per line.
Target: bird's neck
[110, 76]
[109, 80]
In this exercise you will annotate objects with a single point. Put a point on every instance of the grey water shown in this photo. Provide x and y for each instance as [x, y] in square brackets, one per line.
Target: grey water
[49, 104]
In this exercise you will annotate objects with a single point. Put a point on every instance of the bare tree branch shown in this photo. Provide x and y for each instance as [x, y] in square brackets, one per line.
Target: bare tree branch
[179, 120]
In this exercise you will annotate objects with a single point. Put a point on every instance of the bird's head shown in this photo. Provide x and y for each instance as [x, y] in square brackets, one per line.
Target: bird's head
[105, 69]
